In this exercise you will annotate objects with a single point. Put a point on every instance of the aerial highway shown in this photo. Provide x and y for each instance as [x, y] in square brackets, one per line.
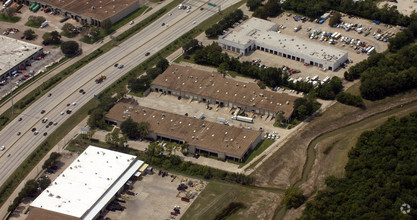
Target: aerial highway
[67, 95]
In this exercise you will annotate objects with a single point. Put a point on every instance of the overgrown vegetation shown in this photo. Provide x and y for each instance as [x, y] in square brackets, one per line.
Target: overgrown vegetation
[51, 160]
[366, 9]
[293, 198]
[350, 99]
[272, 8]
[35, 21]
[380, 176]
[31, 189]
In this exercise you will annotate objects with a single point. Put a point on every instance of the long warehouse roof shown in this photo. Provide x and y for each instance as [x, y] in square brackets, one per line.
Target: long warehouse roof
[210, 84]
[204, 134]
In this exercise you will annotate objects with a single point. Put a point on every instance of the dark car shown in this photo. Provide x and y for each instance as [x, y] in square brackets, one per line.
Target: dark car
[46, 133]
[43, 111]
[81, 90]
[33, 129]
[18, 133]
[115, 65]
[50, 123]
[147, 54]
[163, 24]
[50, 94]
[69, 111]
[20, 119]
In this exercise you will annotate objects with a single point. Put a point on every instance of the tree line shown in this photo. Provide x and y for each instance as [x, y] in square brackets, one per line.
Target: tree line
[227, 22]
[380, 176]
[366, 9]
[271, 8]
[386, 74]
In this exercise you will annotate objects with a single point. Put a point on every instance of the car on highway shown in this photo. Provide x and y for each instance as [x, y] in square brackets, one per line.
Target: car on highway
[69, 111]
[131, 22]
[46, 133]
[43, 111]
[50, 94]
[33, 129]
[68, 104]
[8, 155]
[50, 123]
[81, 90]
[147, 54]
[62, 113]
[18, 133]
[194, 22]
[36, 132]
[2, 148]
[44, 120]
[162, 24]
[20, 119]
[55, 123]
[201, 9]
[120, 66]
[74, 103]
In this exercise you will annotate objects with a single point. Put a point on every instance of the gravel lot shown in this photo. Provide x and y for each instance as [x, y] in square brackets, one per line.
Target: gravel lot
[155, 198]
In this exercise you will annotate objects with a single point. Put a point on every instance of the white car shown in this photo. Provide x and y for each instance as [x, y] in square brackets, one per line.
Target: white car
[44, 120]
[2, 148]
[131, 22]
[74, 103]
[193, 22]
[62, 113]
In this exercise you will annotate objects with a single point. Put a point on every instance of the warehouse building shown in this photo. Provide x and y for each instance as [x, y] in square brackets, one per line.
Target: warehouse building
[222, 141]
[93, 12]
[213, 88]
[86, 187]
[14, 54]
[259, 34]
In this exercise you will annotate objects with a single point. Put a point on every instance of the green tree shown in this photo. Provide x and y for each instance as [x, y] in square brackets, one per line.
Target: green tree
[162, 64]
[44, 182]
[70, 48]
[335, 19]
[30, 189]
[52, 37]
[293, 198]
[96, 119]
[29, 34]
[190, 45]
[143, 129]
[9, 11]
[154, 150]
[68, 28]
[261, 84]
[112, 138]
[253, 4]
[130, 128]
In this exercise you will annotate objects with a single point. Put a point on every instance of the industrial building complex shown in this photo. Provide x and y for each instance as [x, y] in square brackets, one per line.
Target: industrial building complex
[14, 54]
[90, 11]
[223, 141]
[213, 88]
[259, 34]
[85, 188]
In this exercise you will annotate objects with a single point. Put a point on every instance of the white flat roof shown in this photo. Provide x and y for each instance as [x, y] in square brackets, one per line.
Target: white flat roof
[88, 183]
[13, 51]
[264, 32]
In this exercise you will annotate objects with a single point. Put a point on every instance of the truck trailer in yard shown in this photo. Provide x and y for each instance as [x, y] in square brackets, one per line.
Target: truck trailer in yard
[242, 118]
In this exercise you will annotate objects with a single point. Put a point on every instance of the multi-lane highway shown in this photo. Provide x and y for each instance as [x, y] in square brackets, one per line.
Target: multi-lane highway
[130, 53]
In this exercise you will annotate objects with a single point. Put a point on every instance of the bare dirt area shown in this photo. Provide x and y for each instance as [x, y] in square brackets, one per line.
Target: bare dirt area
[285, 167]
[259, 203]
[156, 196]
[405, 7]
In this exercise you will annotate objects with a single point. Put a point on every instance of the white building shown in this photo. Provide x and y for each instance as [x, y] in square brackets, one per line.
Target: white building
[15, 54]
[84, 189]
[263, 35]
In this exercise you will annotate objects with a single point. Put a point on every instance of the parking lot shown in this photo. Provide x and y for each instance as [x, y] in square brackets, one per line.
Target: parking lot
[156, 196]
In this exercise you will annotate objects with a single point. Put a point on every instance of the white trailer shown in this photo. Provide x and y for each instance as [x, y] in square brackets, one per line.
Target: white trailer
[242, 118]
[7, 4]
[314, 78]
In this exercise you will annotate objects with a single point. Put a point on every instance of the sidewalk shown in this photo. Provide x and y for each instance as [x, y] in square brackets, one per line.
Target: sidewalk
[87, 49]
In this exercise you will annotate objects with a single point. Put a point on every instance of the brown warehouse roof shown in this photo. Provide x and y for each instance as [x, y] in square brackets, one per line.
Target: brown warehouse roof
[232, 141]
[209, 84]
[98, 9]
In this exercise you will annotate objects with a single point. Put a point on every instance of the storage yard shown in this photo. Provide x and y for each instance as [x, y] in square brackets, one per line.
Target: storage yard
[355, 35]
[156, 196]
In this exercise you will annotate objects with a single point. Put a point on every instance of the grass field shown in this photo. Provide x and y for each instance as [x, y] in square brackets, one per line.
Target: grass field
[260, 203]
[13, 19]
[261, 147]
[33, 24]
